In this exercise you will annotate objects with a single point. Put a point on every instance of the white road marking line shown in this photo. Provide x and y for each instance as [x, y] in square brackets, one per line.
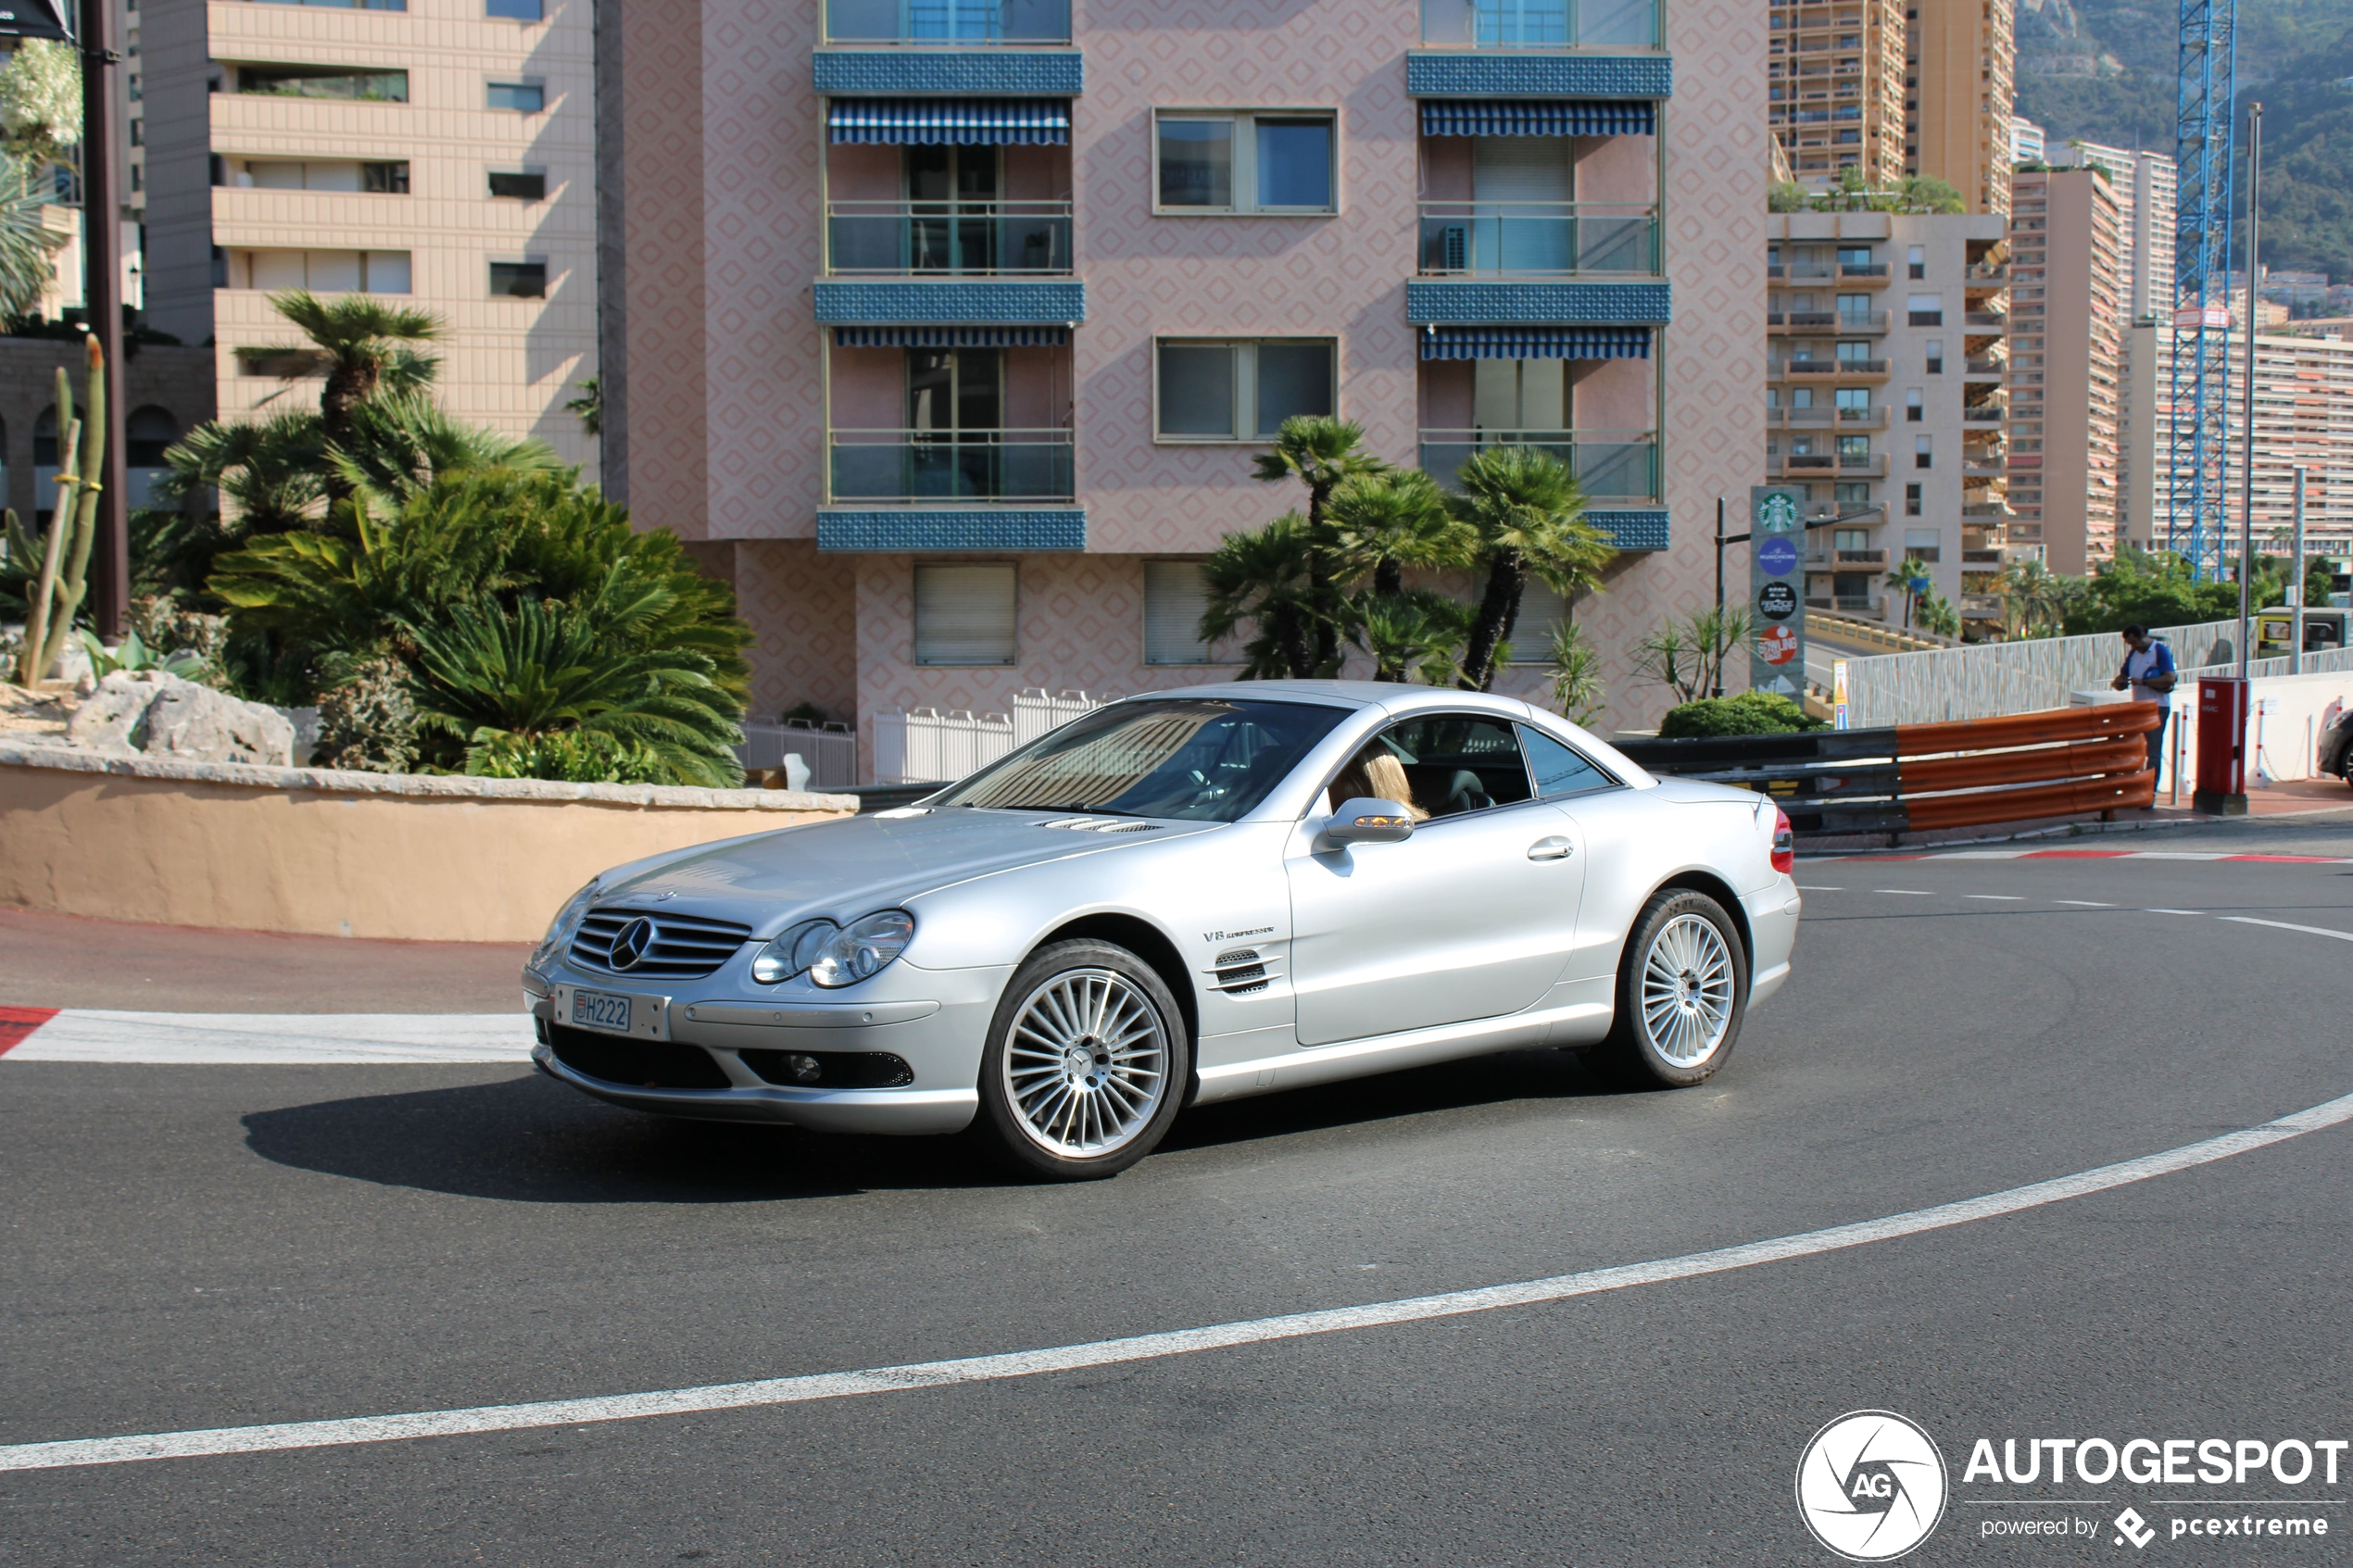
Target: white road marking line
[2199, 912]
[2082, 903]
[277, 1039]
[2283, 926]
[1802, 887]
[1997, 898]
[1153, 1347]
[1983, 855]
[1907, 892]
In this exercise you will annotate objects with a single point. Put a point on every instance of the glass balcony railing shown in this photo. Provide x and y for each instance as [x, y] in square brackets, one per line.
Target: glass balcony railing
[1554, 238]
[1609, 464]
[979, 238]
[917, 467]
[1540, 24]
[966, 22]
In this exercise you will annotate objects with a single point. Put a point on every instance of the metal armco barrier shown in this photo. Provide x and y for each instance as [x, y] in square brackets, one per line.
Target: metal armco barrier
[1906, 777]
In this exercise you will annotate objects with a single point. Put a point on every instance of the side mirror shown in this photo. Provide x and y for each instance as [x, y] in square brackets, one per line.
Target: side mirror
[1366, 820]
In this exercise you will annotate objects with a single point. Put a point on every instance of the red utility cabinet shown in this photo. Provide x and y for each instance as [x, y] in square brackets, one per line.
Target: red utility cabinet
[2221, 746]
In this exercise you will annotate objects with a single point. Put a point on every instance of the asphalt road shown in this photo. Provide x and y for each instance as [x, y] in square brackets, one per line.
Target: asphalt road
[205, 1247]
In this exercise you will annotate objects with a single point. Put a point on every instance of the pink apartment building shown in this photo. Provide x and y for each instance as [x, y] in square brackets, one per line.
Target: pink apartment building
[947, 328]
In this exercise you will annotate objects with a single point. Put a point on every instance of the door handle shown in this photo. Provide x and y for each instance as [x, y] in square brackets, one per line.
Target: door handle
[1550, 850]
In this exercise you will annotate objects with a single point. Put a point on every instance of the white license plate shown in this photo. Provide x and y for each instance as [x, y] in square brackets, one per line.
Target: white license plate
[602, 1009]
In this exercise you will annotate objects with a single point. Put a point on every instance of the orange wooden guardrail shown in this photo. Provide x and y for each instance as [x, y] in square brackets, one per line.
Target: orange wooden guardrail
[2062, 762]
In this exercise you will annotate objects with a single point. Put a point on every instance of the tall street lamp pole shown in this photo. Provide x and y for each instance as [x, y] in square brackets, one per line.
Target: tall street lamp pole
[2246, 430]
[102, 115]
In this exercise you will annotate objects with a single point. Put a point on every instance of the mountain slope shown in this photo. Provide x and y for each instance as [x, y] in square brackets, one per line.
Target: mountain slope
[2104, 70]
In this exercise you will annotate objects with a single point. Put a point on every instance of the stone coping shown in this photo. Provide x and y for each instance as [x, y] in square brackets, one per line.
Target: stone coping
[434, 786]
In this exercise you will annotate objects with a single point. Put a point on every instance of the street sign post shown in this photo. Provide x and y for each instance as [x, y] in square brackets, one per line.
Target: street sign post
[1777, 590]
[1841, 718]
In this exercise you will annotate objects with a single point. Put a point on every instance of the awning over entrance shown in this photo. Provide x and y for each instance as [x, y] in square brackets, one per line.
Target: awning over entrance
[1537, 343]
[1523, 117]
[951, 338]
[965, 122]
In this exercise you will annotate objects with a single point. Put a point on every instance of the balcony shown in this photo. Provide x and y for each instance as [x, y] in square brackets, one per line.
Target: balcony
[1986, 276]
[1826, 465]
[1539, 24]
[1994, 510]
[1865, 273]
[1981, 557]
[1824, 419]
[1804, 272]
[941, 239]
[960, 24]
[1981, 365]
[1812, 369]
[1975, 467]
[924, 467]
[1983, 414]
[1986, 321]
[1548, 239]
[1847, 560]
[1612, 464]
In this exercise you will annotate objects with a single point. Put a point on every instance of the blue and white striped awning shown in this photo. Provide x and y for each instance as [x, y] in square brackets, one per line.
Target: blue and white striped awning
[951, 338]
[1536, 343]
[965, 122]
[1523, 117]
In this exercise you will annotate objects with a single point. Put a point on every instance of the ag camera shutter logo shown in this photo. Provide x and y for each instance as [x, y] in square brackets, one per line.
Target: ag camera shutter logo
[1871, 1485]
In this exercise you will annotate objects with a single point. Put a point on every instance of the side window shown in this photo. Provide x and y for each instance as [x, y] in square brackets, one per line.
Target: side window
[1557, 770]
[1443, 766]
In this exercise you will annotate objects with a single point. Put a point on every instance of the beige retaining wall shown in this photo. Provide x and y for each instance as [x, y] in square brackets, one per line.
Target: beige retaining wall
[338, 854]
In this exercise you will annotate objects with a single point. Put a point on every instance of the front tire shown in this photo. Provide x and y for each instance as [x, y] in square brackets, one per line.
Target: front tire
[1682, 992]
[1086, 1062]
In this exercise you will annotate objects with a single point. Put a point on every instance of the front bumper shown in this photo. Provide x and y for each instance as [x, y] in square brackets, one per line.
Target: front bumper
[932, 1021]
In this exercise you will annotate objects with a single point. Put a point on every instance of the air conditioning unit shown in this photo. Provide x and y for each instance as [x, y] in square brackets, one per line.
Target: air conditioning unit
[1453, 248]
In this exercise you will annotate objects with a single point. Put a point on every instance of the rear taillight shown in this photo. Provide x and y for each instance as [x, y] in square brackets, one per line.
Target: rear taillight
[1784, 842]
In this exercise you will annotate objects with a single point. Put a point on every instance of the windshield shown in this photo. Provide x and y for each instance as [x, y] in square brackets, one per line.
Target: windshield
[1206, 759]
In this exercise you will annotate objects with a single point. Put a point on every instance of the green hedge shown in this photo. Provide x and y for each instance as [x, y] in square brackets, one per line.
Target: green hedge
[1751, 713]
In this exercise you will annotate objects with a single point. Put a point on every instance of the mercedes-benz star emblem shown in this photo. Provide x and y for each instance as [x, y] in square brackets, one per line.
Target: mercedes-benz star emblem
[630, 943]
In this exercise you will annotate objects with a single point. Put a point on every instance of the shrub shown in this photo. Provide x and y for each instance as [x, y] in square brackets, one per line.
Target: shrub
[1750, 713]
[573, 756]
[366, 721]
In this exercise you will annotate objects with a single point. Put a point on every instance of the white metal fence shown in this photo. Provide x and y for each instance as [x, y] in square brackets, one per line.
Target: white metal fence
[1991, 679]
[929, 746]
[831, 753]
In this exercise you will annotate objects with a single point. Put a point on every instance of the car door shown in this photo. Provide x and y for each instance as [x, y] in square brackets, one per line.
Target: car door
[1470, 918]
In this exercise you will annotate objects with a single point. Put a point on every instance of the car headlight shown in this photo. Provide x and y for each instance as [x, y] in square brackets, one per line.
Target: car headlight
[861, 949]
[795, 950]
[567, 921]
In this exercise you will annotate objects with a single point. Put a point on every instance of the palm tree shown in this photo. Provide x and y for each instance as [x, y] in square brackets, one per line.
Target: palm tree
[1322, 453]
[1263, 578]
[1527, 512]
[1910, 569]
[1383, 523]
[366, 344]
[1411, 633]
[28, 246]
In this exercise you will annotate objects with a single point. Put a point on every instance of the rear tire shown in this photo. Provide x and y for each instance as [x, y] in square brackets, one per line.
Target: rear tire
[1087, 1063]
[1682, 992]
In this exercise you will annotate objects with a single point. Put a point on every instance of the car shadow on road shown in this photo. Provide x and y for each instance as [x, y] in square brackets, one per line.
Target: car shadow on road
[530, 1140]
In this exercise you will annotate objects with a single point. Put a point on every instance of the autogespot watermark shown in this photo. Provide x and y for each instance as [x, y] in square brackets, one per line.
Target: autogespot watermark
[1872, 1485]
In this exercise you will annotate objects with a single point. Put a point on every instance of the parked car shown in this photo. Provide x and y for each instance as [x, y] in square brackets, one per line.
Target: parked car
[2335, 754]
[1179, 898]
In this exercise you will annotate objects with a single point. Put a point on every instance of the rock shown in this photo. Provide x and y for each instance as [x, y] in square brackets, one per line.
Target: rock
[135, 712]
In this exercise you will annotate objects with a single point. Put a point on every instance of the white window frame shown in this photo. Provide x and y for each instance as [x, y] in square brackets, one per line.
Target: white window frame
[1245, 166]
[915, 616]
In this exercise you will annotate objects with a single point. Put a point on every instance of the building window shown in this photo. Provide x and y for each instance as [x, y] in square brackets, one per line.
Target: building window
[339, 174]
[329, 271]
[1852, 497]
[523, 97]
[1924, 543]
[1914, 406]
[1174, 599]
[966, 614]
[147, 432]
[1935, 357]
[1916, 262]
[1912, 500]
[1926, 309]
[522, 279]
[521, 184]
[1240, 163]
[1923, 454]
[1237, 389]
[1854, 353]
[1543, 612]
[515, 10]
[1853, 402]
[325, 81]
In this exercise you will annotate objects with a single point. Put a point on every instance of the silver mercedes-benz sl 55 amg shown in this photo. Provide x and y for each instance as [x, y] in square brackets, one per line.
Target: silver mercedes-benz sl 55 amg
[1181, 897]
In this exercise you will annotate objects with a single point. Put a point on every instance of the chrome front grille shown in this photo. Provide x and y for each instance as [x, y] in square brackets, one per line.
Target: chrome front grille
[684, 946]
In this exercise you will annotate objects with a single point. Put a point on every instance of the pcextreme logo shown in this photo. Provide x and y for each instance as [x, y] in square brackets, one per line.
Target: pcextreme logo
[1871, 1485]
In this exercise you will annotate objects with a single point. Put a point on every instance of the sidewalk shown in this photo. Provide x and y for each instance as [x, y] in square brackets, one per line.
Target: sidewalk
[49, 960]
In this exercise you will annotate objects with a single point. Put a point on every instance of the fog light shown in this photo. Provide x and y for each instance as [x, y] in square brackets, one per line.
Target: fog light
[804, 1068]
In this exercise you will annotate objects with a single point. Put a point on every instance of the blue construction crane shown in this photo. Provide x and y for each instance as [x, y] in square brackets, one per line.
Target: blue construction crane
[2205, 140]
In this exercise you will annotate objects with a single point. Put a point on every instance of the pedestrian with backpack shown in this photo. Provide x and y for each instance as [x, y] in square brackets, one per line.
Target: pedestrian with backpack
[2148, 670]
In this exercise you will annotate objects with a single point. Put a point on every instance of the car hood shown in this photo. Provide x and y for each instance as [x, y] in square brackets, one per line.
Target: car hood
[845, 867]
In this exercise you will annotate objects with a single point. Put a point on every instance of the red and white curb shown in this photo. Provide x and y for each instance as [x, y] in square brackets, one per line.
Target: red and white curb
[261, 1039]
[2090, 855]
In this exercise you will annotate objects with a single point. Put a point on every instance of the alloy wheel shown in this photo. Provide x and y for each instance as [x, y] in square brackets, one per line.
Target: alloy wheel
[1688, 985]
[1087, 1065]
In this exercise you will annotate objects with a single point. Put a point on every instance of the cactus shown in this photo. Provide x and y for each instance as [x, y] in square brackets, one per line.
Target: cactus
[73, 526]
